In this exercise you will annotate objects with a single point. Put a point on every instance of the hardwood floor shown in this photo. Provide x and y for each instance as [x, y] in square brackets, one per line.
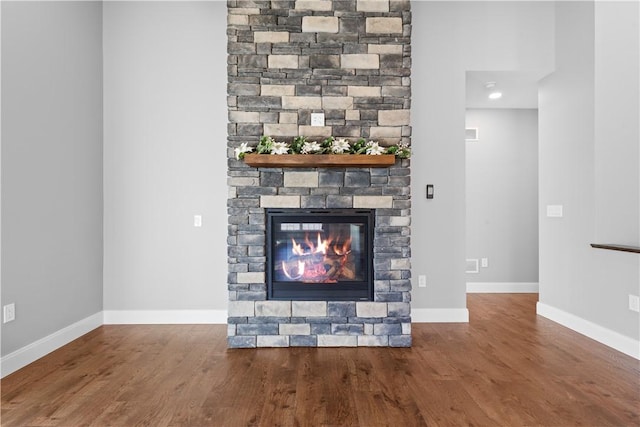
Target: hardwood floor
[507, 367]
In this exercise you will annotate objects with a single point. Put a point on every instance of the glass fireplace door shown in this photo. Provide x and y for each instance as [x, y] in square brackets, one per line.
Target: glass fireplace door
[320, 254]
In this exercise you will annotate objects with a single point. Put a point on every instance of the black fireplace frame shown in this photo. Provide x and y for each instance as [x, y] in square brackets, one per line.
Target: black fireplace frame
[343, 291]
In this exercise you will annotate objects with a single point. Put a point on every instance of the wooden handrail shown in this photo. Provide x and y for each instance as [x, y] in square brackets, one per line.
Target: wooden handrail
[612, 247]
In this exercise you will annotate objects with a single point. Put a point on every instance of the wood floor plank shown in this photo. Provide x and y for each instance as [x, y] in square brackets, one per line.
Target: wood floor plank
[506, 367]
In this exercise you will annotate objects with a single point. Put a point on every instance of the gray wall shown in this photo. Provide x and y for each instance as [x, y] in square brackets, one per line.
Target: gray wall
[165, 155]
[450, 38]
[51, 166]
[502, 194]
[589, 163]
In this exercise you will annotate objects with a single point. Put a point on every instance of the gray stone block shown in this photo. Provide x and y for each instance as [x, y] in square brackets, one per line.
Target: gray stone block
[387, 329]
[339, 201]
[263, 20]
[268, 319]
[243, 89]
[271, 179]
[257, 329]
[312, 201]
[308, 90]
[341, 309]
[236, 320]
[400, 341]
[252, 61]
[303, 341]
[324, 61]
[334, 90]
[347, 329]
[388, 296]
[259, 101]
[357, 179]
[251, 296]
[241, 342]
[331, 179]
[320, 328]
[249, 129]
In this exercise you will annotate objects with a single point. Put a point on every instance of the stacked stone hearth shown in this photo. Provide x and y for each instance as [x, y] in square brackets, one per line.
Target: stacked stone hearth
[350, 60]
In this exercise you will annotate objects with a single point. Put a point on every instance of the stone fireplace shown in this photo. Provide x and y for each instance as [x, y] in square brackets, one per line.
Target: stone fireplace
[349, 59]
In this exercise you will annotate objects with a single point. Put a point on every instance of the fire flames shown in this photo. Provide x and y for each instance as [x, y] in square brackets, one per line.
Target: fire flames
[323, 261]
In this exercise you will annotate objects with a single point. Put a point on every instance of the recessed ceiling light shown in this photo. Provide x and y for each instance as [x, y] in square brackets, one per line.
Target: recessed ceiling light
[493, 92]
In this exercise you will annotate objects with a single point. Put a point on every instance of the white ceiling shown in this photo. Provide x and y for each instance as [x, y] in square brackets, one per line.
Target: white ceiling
[519, 89]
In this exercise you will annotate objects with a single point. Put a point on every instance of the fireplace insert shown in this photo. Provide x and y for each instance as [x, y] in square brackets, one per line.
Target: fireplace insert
[320, 254]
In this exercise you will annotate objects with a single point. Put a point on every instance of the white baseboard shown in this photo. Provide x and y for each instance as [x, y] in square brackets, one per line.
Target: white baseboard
[502, 287]
[439, 315]
[164, 317]
[34, 351]
[605, 336]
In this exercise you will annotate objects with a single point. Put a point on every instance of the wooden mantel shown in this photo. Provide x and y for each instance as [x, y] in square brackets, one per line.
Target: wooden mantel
[319, 160]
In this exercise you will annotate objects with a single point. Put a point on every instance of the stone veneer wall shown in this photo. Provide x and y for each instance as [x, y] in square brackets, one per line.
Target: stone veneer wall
[350, 59]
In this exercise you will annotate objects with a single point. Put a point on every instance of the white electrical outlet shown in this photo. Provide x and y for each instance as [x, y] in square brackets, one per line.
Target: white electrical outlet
[555, 211]
[317, 119]
[484, 262]
[634, 303]
[422, 281]
[9, 312]
[197, 220]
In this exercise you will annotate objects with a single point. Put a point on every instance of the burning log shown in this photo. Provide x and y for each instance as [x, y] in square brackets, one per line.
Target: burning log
[322, 261]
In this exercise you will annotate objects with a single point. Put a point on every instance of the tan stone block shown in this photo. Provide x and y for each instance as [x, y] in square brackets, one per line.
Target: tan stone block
[394, 118]
[406, 329]
[384, 25]
[279, 201]
[400, 221]
[352, 115]
[364, 91]
[278, 129]
[244, 117]
[295, 329]
[272, 341]
[318, 5]
[360, 60]
[238, 19]
[393, 49]
[372, 6]
[321, 131]
[283, 61]
[301, 179]
[301, 102]
[400, 264]
[337, 102]
[240, 309]
[373, 340]
[373, 202]
[288, 118]
[251, 277]
[371, 309]
[244, 11]
[320, 24]
[277, 90]
[243, 181]
[273, 308]
[268, 117]
[271, 37]
[337, 341]
[385, 132]
[308, 308]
